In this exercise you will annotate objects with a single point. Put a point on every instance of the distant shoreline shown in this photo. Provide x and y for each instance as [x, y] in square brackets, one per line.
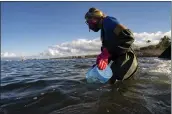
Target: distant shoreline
[142, 52]
[147, 51]
[139, 53]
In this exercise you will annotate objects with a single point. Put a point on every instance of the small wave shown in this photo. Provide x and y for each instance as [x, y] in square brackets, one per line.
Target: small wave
[157, 65]
[59, 86]
[81, 66]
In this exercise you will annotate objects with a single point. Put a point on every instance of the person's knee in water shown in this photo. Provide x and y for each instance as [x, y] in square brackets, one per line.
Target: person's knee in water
[116, 44]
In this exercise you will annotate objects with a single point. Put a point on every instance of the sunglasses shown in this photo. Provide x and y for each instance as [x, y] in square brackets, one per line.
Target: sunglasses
[90, 21]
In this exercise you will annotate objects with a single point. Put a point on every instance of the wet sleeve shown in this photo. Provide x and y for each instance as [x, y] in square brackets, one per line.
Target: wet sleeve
[125, 38]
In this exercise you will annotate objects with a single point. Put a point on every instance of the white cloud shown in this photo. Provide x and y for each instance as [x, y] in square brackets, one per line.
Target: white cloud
[13, 55]
[84, 46]
[76, 47]
[141, 38]
[7, 54]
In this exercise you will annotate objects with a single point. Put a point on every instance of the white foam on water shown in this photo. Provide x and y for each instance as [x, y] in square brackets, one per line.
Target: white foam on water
[156, 65]
[35, 98]
[159, 68]
[162, 66]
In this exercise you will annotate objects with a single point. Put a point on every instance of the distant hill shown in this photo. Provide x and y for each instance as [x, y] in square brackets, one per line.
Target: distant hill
[147, 51]
[154, 50]
[166, 54]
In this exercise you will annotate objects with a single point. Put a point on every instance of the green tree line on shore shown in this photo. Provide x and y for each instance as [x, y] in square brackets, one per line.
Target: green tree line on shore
[164, 43]
[151, 50]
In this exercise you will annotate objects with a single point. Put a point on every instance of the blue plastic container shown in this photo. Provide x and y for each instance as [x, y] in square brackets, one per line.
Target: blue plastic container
[94, 75]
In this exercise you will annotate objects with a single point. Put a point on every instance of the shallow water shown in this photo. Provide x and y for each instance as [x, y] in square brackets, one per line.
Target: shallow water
[59, 87]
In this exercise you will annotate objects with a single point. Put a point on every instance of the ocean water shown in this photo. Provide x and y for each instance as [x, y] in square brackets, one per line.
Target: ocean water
[60, 87]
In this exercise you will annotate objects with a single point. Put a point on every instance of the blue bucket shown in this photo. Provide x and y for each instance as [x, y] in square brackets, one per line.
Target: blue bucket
[94, 75]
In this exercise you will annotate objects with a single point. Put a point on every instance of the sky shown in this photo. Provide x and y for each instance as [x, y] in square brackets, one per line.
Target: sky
[59, 29]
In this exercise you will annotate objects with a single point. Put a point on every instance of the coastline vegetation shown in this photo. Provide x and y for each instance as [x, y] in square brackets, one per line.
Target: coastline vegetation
[148, 51]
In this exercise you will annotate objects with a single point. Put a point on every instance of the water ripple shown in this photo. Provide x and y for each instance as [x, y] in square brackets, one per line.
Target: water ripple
[59, 86]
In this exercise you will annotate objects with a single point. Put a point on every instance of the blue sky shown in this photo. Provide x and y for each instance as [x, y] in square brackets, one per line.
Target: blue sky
[30, 27]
